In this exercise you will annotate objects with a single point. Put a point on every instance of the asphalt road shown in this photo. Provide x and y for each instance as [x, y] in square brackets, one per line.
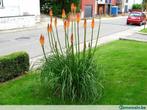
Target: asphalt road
[28, 39]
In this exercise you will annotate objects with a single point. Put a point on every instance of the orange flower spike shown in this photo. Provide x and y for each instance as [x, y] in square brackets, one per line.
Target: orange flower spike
[92, 23]
[50, 28]
[72, 7]
[51, 13]
[65, 24]
[63, 13]
[71, 39]
[42, 40]
[75, 9]
[68, 23]
[55, 22]
[78, 17]
[85, 23]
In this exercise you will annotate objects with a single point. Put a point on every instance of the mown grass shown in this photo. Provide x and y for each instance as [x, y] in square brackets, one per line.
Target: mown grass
[144, 30]
[125, 78]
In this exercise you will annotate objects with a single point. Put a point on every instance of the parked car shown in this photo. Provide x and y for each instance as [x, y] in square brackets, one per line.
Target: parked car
[136, 17]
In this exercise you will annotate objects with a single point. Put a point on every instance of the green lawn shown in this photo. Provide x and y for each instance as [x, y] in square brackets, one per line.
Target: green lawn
[125, 78]
[144, 30]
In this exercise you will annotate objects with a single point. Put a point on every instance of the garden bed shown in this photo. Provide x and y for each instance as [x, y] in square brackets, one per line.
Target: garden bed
[125, 78]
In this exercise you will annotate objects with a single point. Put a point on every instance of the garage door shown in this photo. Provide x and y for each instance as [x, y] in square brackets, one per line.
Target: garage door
[88, 11]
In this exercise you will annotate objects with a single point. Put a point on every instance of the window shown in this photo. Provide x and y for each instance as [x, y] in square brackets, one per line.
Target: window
[135, 15]
[1, 3]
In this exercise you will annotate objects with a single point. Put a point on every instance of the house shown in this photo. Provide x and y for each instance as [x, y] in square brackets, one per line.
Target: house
[126, 5]
[88, 8]
[131, 2]
[122, 5]
[18, 13]
[109, 3]
[91, 8]
[106, 6]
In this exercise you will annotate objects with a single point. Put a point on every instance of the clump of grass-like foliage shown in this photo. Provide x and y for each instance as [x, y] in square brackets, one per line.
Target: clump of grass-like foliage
[71, 73]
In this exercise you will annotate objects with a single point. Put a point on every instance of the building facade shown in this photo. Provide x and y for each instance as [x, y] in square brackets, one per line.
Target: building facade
[91, 8]
[126, 5]
[101, 4]
[131, 2]
[18, 13]
[113, 2]
[88, 8]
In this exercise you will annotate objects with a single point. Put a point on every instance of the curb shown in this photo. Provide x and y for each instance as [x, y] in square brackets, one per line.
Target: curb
[132, 39]
[142, 33]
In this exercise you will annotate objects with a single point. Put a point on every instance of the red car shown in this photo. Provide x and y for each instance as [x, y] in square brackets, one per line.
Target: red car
[136, 18]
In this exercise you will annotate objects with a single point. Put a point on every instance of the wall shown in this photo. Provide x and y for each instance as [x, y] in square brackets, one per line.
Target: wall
[11, 8]
[20, 7]
[17, 22]
[19, 14]
[31, 7]
[113, 2]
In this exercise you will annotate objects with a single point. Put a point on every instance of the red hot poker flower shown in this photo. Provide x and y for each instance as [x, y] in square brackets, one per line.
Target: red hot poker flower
[65, 24]
[72, 7]
[51, 13]
[75, 8]
[92, 23]
[85, 23]
[50, 28]
[42, 40]
[68, 23]
[63, 13]
[78, 17]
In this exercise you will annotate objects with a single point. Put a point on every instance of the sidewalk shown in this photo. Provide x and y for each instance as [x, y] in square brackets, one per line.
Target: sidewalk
[136, 36]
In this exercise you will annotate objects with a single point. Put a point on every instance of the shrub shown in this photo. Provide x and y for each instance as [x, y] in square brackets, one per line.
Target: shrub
[137, 7]
[71, 75]
[13, 65]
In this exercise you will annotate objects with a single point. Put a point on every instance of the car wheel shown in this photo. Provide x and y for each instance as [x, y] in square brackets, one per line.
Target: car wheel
[127, 23]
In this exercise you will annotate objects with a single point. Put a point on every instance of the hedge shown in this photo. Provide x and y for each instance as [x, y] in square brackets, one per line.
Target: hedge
[13, 65]
[137, 6]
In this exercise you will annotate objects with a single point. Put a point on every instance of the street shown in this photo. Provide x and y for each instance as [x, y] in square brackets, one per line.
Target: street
[28, 40]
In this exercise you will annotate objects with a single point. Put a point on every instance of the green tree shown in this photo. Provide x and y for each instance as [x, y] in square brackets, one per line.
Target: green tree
[58, 5]
[137, 6]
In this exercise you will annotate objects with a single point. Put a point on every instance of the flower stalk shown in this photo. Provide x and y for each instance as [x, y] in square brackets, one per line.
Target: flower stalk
[42, 45]
[71, 73]
[85, 28]
[58, 35]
